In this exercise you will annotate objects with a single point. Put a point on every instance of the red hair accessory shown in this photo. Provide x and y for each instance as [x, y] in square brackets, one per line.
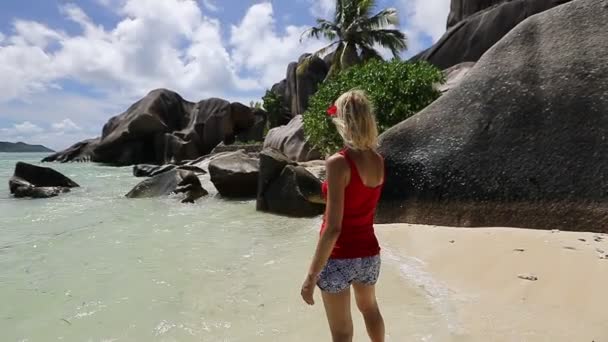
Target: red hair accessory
[332, 111]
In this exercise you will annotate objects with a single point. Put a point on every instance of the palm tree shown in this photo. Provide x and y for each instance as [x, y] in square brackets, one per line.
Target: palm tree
[355, 32]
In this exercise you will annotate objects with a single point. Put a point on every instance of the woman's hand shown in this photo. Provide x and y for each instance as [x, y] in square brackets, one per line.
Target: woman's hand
[308, 290]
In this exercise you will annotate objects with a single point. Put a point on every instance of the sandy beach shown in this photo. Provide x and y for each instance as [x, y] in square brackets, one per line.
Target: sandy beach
[505, 284]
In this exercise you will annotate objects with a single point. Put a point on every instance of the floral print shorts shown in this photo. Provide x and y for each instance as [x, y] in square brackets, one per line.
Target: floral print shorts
[339, 274]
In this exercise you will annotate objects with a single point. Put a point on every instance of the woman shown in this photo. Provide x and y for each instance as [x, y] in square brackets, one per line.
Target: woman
[348, 252]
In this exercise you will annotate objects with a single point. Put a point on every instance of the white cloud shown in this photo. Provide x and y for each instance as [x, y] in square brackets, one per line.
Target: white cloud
[20, 129]
[33, 33]
[259, 48]
[322, 8]
[158, 43]
[210, 5]
[1, 37]
[423, 19]
[27, 127]
[67, 125]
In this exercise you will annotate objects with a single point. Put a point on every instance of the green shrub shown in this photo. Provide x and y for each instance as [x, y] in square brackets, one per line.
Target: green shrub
[397, 89]
[273, 104]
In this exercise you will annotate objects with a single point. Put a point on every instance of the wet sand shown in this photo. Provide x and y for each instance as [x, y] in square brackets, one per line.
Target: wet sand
[506, 284]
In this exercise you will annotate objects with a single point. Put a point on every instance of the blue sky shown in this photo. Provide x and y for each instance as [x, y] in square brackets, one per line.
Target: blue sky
[67, 66]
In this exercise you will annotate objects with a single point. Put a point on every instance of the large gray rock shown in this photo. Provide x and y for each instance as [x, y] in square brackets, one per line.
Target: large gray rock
[302, 81]
[287, 189]
[38, 182]
[291, 141]
[455, 75]
[283, 116]
[468, 40]
[170, 182]
[163, 128]
[462, 9]
[235, 175]
[521, 141]
[257, 131]
[145, 170]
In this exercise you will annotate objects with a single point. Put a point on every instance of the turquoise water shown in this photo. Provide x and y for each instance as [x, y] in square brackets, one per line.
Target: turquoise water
[92, 265]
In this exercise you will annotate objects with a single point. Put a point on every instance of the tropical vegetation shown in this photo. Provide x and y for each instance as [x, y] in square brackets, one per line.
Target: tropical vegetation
[355, 33]
[397, 90]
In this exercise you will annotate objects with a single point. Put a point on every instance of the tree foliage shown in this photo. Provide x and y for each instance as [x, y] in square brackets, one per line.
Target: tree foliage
[397, 90]
[355, 32]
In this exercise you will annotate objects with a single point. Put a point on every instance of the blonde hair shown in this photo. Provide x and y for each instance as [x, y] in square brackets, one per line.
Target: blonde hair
[355, 121]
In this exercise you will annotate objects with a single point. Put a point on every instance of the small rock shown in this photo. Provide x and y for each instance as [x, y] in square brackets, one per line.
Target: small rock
[601, 251]
[583, 240]
[598, 238]
[519, 250]
[554, 230]
[570, 248]
[528, 277]
[452, 241]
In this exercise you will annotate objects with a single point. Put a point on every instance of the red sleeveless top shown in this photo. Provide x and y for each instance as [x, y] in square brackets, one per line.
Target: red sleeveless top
[357, 238]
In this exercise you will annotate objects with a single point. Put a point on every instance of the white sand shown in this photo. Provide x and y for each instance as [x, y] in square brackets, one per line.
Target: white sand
[478, 269]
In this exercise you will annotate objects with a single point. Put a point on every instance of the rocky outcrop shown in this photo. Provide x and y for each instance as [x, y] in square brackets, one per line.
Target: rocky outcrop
[455, 75]
[170, 182]
[282, 116]
[256, 132]
[38, 182]
[287, 189]
[248, 148]
[235, 175]
[302, 81]
[79, 152]
[468, 40]
[462, 9]
[146, 170]
[291, 141]
[163, 128]
[520, 142]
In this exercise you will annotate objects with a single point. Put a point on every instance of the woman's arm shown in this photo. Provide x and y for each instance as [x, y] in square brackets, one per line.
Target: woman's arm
[337, 179]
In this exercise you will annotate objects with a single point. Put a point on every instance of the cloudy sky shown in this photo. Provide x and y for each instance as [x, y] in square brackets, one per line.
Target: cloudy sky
[67, 66]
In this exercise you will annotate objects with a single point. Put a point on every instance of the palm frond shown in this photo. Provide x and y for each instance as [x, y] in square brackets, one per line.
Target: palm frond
[369, 53]
[383, 19]
[365, 7]
[323, 51]
[339, 11]
[317, 32]
[393, 40]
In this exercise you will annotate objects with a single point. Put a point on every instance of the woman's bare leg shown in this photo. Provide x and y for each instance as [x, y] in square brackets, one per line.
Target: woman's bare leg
[337, 308]
[365, 296]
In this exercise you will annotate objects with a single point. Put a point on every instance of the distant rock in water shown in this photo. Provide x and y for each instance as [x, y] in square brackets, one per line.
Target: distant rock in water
[286, 188]
[480, 25]
[22, 147]
[164, 128]
[520, 142]
[235, 174]
[173, 181]
[144, 170]
[38, 182]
